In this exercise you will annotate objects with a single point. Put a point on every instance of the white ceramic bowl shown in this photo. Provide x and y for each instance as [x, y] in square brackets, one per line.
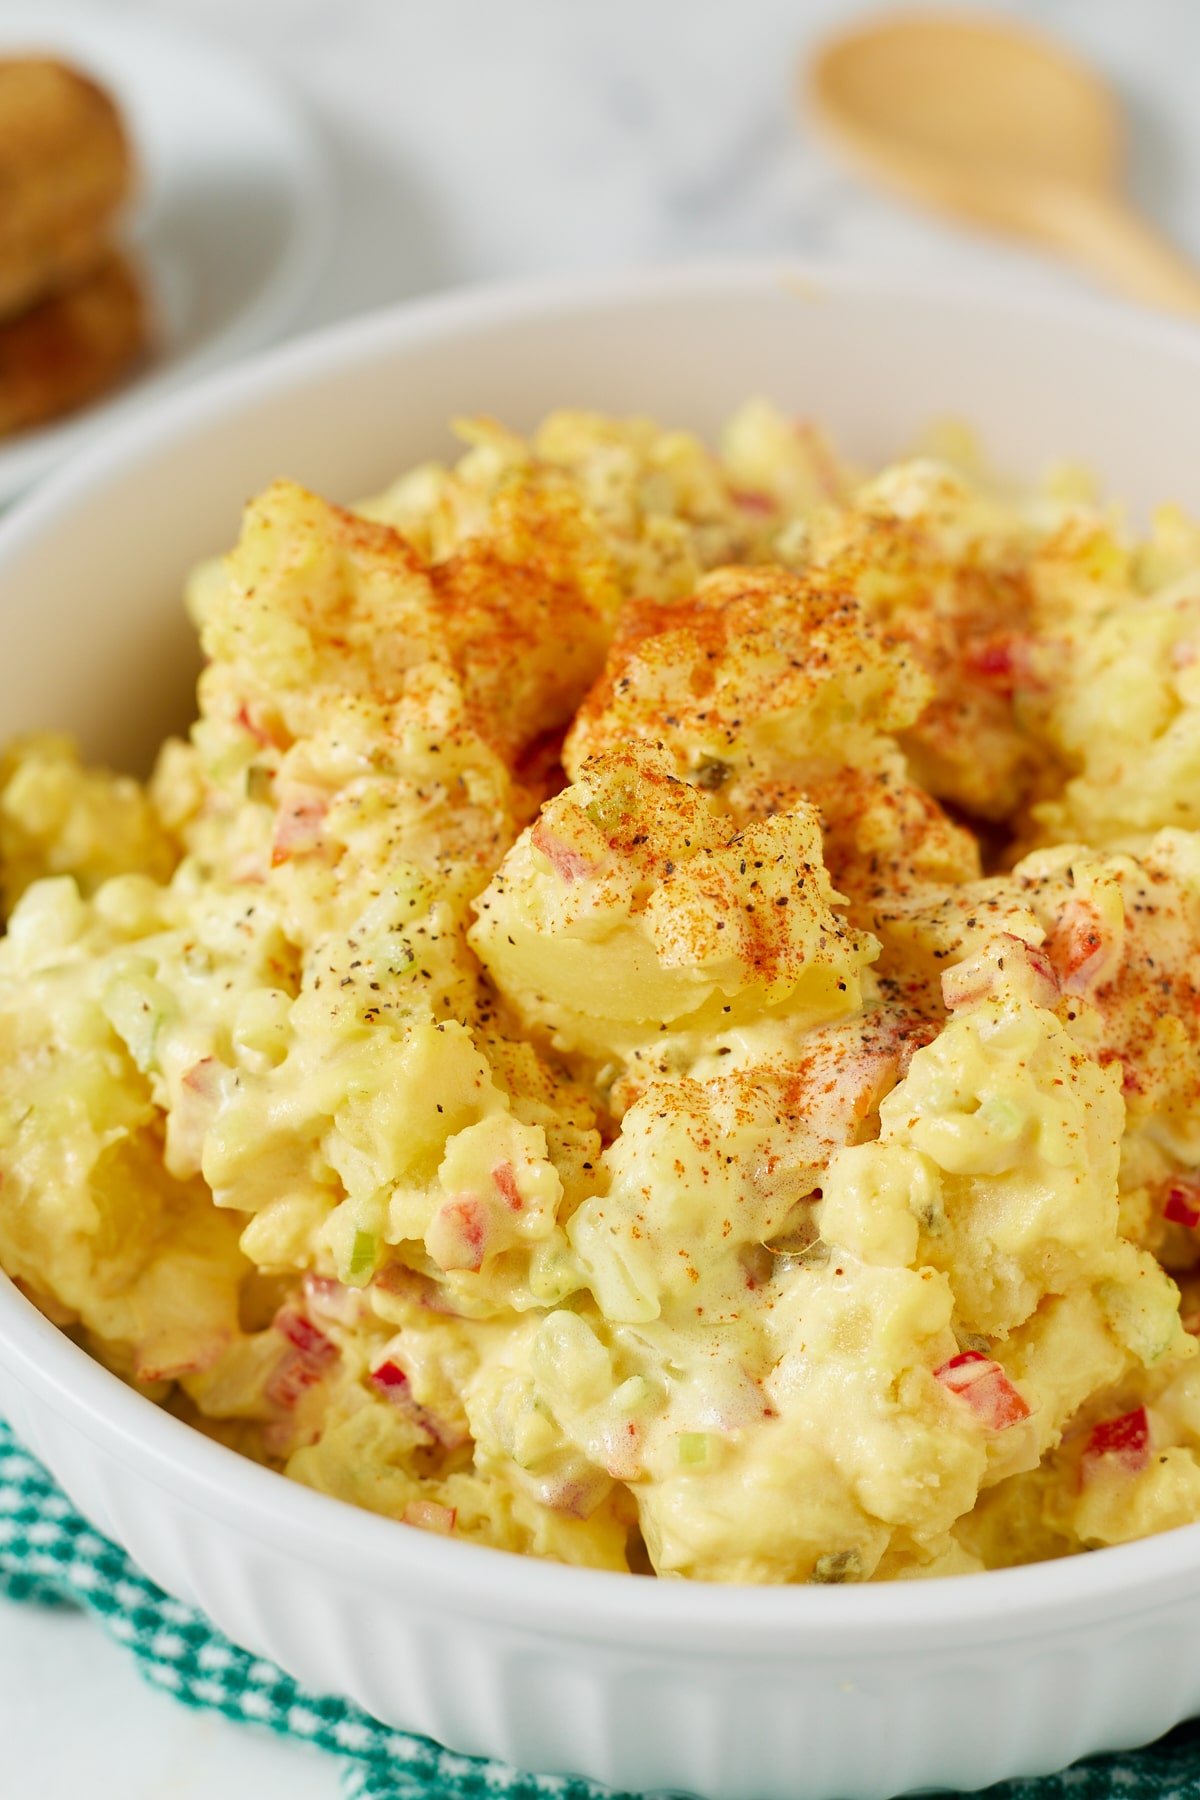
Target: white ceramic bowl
[735, 1693]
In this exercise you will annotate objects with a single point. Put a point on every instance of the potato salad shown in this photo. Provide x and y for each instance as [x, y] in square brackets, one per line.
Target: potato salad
[654, 1019]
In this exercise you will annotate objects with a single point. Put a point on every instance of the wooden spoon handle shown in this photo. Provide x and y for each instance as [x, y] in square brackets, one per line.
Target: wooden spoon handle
[1118, 244]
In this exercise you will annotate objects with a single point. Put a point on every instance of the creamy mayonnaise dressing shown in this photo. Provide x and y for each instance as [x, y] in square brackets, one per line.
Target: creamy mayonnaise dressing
[652, 1021]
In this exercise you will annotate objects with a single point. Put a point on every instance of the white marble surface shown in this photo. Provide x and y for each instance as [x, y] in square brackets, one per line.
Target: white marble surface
[481, 138]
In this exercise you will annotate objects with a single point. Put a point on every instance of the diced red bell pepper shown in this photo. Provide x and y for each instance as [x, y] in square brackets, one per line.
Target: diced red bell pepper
[204, 1077]
[1005, 663]
[293, 1377]
[505, 1178]
[1182, 1203]
[397, 1278]
[995, 663]
[305, 1363]
[1078, 946]
[312, 1344]
[982, 1383]
[461, 1233]
[332, 1299]
[428, 1515]
[1122, 1443]
[568, 863]
[194, 1111]
[969, 982]
[391, 1379]
[389, 1376]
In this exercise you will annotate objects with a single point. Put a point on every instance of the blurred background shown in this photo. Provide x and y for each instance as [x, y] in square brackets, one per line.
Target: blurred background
[301, 161]
[474, 139]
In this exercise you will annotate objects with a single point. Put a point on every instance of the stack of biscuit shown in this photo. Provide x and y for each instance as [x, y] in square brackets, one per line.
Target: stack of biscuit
[72, 314]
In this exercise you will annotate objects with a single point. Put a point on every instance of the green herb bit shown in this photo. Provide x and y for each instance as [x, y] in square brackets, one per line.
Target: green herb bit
[362, 1256]
[712, 774]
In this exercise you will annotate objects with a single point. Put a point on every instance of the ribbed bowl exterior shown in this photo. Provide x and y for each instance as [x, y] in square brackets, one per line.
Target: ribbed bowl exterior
[735, 1694]
[807, 1722]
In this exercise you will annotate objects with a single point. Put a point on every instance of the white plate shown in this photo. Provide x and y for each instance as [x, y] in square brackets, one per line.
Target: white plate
[232, 214]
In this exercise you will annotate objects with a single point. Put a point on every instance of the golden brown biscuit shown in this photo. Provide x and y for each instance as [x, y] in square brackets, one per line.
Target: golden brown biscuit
[65, 170]
[63, 352]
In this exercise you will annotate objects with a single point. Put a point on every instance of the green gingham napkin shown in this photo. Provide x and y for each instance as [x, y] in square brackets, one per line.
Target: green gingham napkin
[52, 1557]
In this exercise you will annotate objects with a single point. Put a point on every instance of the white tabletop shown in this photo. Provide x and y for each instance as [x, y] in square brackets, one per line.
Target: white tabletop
[481, 138]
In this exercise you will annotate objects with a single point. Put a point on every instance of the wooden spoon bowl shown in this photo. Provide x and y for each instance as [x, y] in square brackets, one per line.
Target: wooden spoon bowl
[995, 124]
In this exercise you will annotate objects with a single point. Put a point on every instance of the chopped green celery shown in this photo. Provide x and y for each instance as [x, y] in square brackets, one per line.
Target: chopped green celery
[362, 1257]
[390, 953]
[633, 1395]
[1143, 1315]
[224, 768]
[400, 958]
[837, 1566]
[693, 1447]
[712, 774]
[136, 1006]
[534, 1433]
[259, 783]
[610, 809]
[1002, 1117]
[554, 1275]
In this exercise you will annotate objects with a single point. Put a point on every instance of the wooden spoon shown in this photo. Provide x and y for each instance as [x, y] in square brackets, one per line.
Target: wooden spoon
[1000, 126]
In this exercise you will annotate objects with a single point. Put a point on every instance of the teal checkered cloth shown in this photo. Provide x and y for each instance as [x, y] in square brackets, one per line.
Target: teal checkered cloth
[52, 1557]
